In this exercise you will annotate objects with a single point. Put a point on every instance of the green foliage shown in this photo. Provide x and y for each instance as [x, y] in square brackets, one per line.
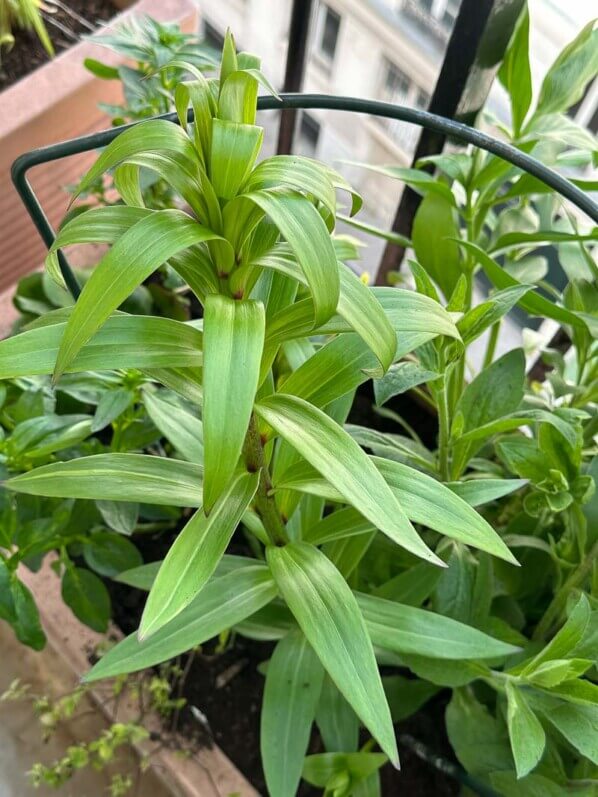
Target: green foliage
[291, 694]
[40, 428]
[366, 548]
[155, 48]
[147, 695]
[526, 724]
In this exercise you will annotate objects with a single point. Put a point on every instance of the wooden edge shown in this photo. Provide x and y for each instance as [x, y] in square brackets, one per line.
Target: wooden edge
[205, 773]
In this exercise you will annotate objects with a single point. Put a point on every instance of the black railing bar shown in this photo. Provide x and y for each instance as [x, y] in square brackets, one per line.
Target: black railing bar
[426, 119]
[460, 91]
[301, 13]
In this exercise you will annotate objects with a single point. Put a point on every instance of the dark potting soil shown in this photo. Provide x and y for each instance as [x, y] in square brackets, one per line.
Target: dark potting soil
[64, 31]
[227, 689]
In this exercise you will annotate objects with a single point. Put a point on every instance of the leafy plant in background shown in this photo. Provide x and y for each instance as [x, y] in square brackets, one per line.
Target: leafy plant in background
[288, 334]
[479, 214]
[25, 15]
[88, 414]
[160, 52]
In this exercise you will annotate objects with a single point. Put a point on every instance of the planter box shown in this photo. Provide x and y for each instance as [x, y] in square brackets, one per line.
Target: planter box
[206, 773]
[56, 102]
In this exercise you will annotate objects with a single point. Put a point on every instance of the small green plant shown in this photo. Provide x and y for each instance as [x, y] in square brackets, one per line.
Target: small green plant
[161, 52]
[25, 15]
[148, 694]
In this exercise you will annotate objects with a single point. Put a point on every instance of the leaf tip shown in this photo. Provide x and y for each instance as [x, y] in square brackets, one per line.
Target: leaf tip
[55, 377]
[145, 630]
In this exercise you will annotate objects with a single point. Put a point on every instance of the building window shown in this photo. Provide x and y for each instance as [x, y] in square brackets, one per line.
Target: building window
[309, 135]
[449, 14]
[422, 99]
[327, 28]
[396, 83]
[398, 89]
[434, 17]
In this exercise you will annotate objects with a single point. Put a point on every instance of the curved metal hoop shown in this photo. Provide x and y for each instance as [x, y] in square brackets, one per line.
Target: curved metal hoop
[401, 113]
[448, 127]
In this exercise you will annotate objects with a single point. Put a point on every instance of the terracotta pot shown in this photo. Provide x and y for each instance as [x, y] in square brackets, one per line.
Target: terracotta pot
[205, 773]
[55, 102]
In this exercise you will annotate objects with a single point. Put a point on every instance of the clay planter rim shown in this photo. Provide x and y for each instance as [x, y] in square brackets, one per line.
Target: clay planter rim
[207, 772]
[57, 101]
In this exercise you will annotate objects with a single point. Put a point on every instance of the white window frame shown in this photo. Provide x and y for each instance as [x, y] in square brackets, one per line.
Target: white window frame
[301, 139]
[322, 11]
[403, 135]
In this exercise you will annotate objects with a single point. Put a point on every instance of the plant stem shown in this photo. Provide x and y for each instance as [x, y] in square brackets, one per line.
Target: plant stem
[265, 504]
[555, 607]
[421, 394]
[491, 345]
[443, 431]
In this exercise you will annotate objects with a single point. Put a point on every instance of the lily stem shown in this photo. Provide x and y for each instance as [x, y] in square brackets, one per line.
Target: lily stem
[556, 606]
[265, 505]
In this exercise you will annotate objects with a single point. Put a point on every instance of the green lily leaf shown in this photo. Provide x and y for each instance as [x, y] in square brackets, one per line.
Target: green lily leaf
[195, 554]
[116, 477]
[178, 424]
[233, 343]
[302, 227]
[135, 255]
[329, 616]
[293, 685]
[153, 135]
[234, 150]
[123, 342]
[329, 449]
[409, 630]
[222, 603]
[532, 302]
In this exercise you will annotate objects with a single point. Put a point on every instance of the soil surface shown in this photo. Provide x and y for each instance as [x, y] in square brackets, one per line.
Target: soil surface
[64, 30]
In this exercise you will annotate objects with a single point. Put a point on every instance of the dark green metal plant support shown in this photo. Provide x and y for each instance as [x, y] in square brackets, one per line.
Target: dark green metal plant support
[440, 124]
